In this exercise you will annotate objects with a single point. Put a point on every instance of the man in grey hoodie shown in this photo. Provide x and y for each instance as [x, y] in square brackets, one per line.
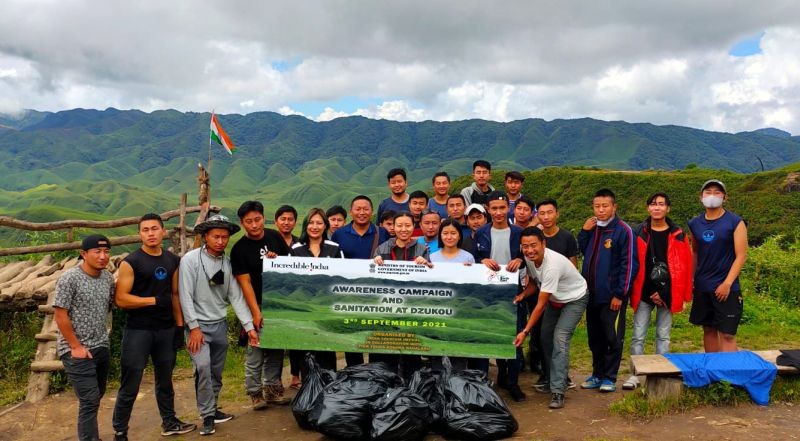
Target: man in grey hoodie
[478, 192]
[206, 287]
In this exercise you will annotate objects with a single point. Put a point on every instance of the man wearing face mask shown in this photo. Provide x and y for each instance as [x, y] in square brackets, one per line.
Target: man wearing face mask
[719, 246]
[206, 287]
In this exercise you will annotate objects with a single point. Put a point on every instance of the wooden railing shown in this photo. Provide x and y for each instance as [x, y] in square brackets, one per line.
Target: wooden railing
[178, 235]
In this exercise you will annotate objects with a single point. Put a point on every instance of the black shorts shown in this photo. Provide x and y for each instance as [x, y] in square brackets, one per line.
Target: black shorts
[722, 316]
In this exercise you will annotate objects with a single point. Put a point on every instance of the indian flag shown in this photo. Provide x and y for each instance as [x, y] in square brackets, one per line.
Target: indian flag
[219, 135]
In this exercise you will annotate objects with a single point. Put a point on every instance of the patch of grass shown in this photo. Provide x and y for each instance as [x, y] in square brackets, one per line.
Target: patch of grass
[637, 405]
[18, 348]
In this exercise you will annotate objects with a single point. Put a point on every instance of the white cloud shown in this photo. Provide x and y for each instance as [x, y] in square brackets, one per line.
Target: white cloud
[394, 110]
[286, 111]
[665, 63]
[329, 114]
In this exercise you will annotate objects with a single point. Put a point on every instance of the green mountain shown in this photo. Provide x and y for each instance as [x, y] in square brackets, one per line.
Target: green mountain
[111, 163]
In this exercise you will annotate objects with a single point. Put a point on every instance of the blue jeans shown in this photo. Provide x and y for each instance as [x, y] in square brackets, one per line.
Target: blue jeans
[641, 322]
[558, 325]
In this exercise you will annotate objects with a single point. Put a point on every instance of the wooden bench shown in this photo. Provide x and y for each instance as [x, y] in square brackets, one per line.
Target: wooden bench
[663, 378]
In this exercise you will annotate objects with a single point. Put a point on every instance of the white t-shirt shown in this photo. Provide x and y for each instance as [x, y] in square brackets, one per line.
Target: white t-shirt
[558, 276]
[501, 249]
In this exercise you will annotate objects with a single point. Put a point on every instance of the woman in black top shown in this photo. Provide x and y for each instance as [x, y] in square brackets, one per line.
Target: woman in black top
[314, 238]
[314, 243]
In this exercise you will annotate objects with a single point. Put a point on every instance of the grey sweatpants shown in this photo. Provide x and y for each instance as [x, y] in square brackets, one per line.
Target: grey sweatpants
[262, 367]
[209, 362]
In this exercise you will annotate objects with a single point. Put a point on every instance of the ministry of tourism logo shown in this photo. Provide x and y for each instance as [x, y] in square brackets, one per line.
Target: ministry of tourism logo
[372, 267]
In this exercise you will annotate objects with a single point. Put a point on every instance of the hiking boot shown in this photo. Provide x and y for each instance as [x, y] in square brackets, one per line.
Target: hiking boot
[516, 393]
[273, 394]
[120, 436]
[608, 386]
[631, 383]
[221, 417]
[259, 403]
[208, 426]
[557, 401]
[176, 427]
[591, 382]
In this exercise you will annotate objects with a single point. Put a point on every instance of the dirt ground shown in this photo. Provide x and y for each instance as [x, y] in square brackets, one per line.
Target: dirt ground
[584, 417]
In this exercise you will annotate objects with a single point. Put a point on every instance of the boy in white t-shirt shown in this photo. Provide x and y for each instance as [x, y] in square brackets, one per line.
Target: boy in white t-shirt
[561, 302]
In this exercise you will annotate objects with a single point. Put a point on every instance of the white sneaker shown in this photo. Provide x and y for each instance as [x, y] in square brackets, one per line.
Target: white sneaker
[631, 383]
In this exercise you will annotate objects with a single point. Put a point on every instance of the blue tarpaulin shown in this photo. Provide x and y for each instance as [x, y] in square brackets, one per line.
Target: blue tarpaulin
[742, 368]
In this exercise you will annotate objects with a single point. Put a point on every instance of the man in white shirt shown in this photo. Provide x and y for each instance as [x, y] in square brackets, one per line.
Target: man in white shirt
[561, 302]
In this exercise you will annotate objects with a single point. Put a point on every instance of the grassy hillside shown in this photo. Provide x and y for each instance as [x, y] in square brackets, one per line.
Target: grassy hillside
[759, 197]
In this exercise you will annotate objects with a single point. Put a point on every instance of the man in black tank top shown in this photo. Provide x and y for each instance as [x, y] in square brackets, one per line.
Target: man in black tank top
[148, 293]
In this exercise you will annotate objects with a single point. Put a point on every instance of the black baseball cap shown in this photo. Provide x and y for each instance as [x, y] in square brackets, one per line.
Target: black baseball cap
[95, 241]
[497, 195]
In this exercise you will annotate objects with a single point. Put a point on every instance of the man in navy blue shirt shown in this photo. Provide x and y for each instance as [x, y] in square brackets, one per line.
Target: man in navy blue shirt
[398, 201]
[719, 244]
[358, 240]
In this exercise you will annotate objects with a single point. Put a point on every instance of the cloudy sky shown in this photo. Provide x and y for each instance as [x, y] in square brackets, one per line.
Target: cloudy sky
[728, 66]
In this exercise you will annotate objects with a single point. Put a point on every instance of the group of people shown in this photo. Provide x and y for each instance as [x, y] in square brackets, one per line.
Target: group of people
[173, 302]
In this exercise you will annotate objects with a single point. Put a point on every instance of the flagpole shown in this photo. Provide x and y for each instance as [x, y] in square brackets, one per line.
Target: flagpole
[209, 165]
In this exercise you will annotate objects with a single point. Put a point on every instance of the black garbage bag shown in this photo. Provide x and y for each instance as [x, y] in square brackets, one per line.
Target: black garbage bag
[429, 384]
[343, 411]
[400, 415]
[313, 384]
[378, 372]
[473, 411]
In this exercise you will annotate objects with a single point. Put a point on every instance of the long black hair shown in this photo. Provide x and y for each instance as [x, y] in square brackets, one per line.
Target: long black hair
[311, 213]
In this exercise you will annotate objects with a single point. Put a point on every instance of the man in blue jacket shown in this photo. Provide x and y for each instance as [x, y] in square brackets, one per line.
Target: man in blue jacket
[609, 267]
[496, 244]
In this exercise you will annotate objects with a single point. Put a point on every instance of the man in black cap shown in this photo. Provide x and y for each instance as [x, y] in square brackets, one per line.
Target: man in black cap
[719, 246]
[206, 288]
[84, 295]
[147, 290]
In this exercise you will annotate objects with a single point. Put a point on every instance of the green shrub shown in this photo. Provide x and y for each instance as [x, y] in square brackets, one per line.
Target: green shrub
[773, 269]
[18, 348]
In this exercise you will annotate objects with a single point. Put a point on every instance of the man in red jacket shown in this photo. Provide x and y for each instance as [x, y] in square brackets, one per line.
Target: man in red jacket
[665, 280]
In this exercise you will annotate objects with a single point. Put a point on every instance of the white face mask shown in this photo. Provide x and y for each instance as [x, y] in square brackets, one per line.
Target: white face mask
[712, 201]
[604, 223]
